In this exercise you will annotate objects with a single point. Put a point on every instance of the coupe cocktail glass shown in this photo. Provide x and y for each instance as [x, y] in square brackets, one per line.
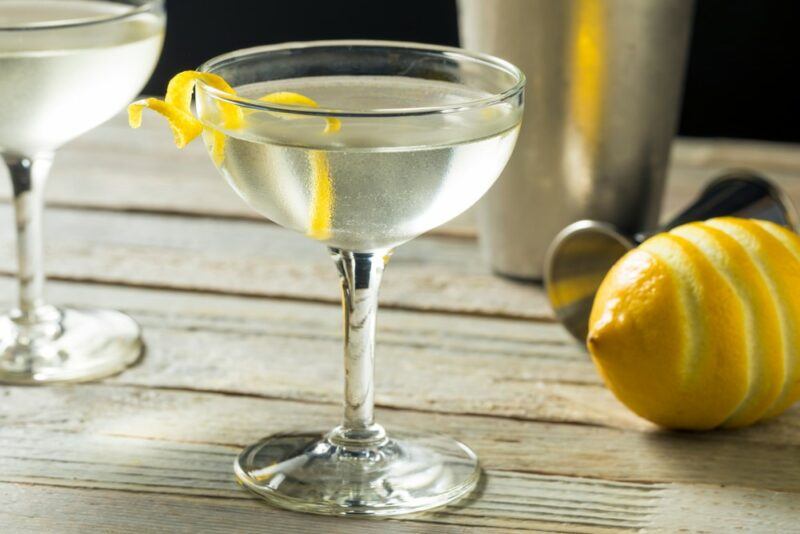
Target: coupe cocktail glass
[65, 67]
[423, 132]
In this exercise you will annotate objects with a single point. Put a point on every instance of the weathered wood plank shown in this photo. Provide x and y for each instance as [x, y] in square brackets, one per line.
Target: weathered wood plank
[143, 416]
[254, 258]
[148, 466]
[426, 362]
[767, 156]
[223, 370]
[430, 362]
[104, 458]
[48, 509]
[231, 421]
[725, 509]
[182, 443]
[51, 508]
[695, 161]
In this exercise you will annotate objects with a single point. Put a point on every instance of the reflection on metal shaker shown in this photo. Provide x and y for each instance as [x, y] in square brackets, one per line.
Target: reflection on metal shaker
[604, 87]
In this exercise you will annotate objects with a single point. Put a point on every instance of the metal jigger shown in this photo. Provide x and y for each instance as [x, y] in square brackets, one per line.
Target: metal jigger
[583, 252]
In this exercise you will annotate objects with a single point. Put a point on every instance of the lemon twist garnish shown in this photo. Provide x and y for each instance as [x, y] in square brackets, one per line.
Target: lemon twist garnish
[322, 196]
[176, 108]
[319, 226]
[332, 124]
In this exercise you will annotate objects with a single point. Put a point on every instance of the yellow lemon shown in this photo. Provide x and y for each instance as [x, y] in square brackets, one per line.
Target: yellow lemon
[699, 327]
[177, 109]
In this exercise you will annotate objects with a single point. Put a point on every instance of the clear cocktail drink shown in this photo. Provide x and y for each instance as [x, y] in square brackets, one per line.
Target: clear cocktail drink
[391, 180]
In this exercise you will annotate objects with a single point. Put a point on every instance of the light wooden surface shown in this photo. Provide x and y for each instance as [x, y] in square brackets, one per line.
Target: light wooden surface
[243, 333]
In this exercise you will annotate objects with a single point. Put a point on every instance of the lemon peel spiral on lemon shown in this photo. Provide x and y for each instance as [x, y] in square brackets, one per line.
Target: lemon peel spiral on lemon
[699, 327]
[176, 108]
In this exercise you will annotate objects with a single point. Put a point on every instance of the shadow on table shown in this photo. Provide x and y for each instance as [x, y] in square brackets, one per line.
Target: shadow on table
[766, 455]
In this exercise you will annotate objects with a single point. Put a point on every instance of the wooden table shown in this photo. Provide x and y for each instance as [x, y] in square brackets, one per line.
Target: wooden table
[242, 326]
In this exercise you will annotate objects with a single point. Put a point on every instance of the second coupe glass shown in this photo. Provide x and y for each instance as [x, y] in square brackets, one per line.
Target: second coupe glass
[65, 67]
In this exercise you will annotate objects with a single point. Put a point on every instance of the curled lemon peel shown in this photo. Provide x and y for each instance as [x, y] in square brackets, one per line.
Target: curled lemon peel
[181, 88]
[176, 108]
[322, 197]
[185, 127]
[319, 226]
[332, 124]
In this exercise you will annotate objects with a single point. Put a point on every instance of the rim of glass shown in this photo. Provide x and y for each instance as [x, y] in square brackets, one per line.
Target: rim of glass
[145, 6]
[447, 51]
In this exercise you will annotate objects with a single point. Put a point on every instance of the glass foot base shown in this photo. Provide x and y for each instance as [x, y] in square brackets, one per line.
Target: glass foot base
[66, 345]
[310, 472]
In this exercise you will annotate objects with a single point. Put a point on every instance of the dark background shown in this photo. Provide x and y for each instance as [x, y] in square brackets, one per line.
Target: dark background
[741, 80]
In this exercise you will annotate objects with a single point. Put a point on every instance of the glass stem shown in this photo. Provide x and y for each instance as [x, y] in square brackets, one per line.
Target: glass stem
[360, 273]
[28, 177]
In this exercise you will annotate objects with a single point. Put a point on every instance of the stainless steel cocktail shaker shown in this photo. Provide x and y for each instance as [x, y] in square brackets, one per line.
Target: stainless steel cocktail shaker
[604, 87]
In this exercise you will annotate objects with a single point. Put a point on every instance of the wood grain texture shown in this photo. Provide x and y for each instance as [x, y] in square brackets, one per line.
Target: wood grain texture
[257, 363]
[36, 508]
[49, 509]
[145, 441]
[259, 259]
[231, 421]
[243, 332]
[426, 362]
[431, 362]
[202, 470]
[218, 366]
